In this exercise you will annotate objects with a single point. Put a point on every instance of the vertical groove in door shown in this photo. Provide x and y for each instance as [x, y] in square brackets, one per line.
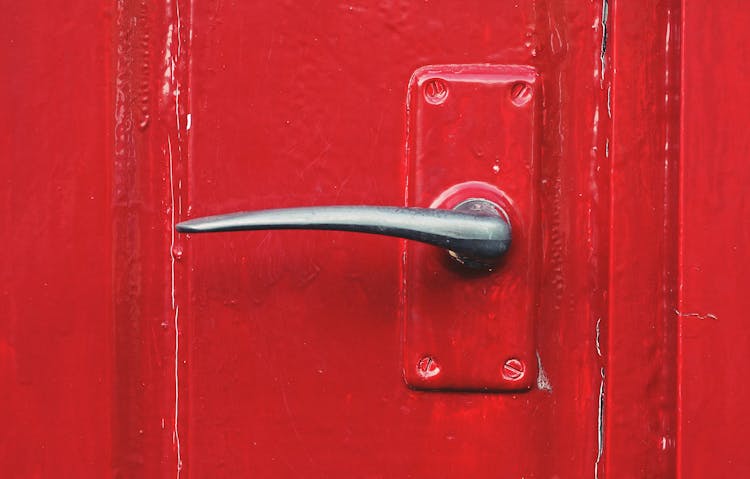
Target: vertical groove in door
[641, 392]
[150, 44]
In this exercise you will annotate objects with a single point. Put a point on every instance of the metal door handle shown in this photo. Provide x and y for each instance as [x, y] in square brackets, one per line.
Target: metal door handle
[476, 232]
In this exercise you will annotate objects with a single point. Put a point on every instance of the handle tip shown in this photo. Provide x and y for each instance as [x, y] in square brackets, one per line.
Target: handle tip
[188, 227]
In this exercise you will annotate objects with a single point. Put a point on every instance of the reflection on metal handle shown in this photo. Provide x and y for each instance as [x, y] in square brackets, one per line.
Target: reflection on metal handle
[475, 230]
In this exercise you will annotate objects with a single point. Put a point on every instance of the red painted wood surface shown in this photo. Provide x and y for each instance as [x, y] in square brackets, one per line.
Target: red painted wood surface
[715, 228]
[55, 215]
[292, 340]
[640, 374]
[127, 351]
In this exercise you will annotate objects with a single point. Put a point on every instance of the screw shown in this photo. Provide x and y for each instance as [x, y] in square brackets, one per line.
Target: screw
[520, 93]
[427, 367]
[435, 91]
[513, 369]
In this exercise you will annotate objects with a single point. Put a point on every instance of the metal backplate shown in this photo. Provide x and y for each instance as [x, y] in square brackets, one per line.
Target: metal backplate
[472, 132]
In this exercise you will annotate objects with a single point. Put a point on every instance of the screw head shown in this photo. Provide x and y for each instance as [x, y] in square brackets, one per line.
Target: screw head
[520, 93]
[513, 369]
[435, 91]
[427, 367]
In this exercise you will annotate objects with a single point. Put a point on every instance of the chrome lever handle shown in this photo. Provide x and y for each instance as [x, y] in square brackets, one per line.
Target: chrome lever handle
[475, 232]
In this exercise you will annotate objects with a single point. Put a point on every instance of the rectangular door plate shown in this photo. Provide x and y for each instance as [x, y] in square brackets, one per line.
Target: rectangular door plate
[472, 132]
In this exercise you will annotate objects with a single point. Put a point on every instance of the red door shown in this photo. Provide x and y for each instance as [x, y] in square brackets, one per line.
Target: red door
[607, 342]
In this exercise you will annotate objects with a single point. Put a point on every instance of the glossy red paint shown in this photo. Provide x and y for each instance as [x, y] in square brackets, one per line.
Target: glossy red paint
[127, 351]
[715, 228]
[55, 164]
[640, 375]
